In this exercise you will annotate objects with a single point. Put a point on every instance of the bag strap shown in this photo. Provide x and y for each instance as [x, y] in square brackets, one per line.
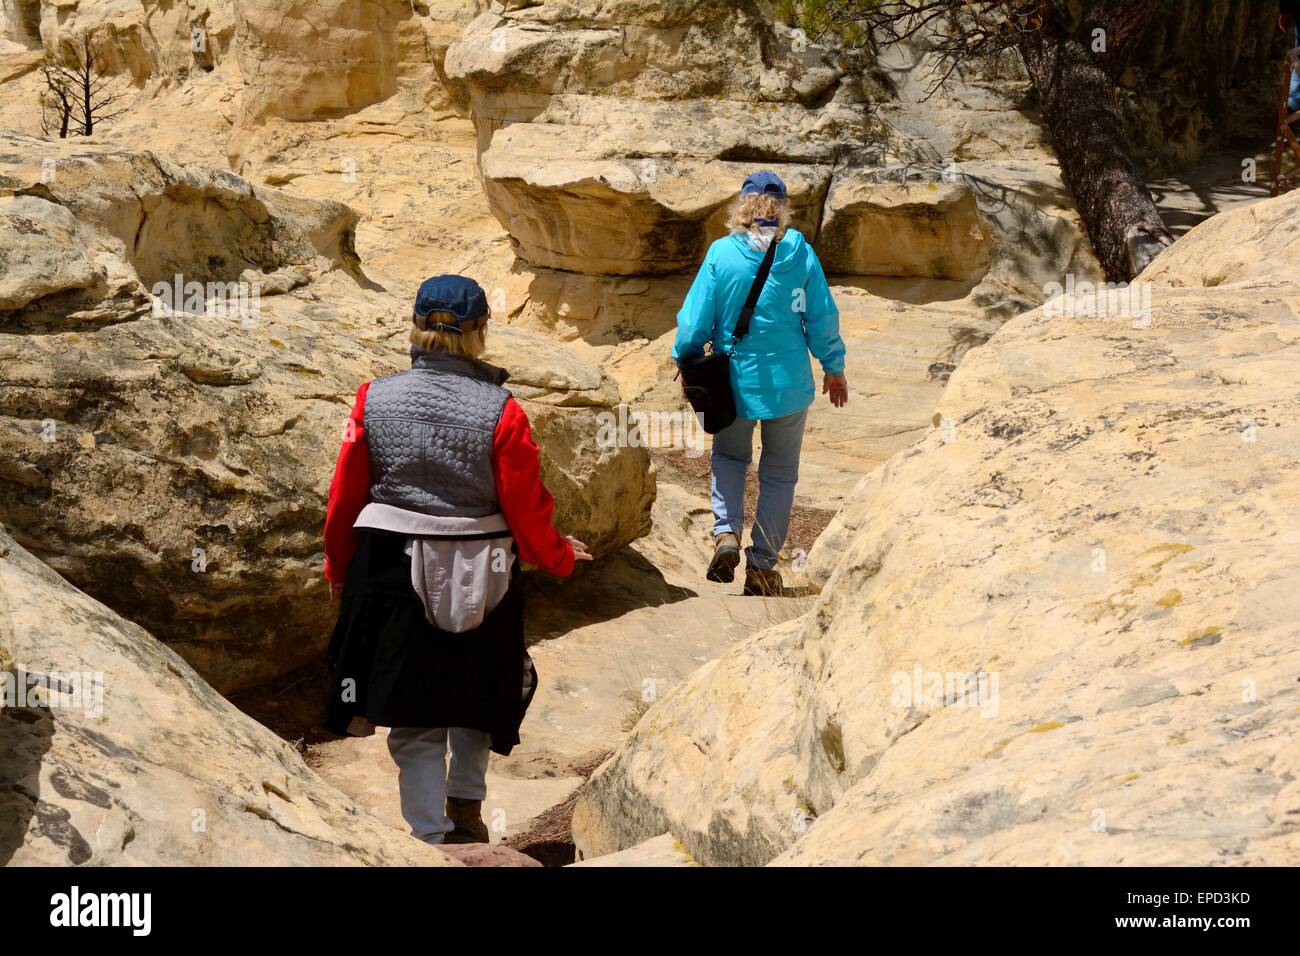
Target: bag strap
[747, 312]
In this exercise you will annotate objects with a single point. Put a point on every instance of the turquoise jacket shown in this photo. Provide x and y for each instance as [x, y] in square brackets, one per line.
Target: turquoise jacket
[771, 375]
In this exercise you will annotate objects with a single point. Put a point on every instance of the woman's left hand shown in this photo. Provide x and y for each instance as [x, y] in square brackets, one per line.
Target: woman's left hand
[837, 386]
[580, 552]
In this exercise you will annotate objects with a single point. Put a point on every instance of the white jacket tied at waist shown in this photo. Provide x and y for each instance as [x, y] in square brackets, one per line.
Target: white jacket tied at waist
[460, 567]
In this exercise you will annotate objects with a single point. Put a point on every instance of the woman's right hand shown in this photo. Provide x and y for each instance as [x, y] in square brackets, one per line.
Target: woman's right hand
[580, 552]
[837, 387]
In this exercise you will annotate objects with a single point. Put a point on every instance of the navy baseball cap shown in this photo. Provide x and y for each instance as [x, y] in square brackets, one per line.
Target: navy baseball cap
[765, 182]
[459, 295]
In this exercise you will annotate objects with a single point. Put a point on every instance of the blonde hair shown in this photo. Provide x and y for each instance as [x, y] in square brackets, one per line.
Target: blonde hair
[746, 208]
[469, 343]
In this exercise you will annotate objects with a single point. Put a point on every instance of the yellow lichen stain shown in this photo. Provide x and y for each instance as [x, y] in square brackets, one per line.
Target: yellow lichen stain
[1201, 634]
[1116, 604]
[1170, 552]
[1040, 729]
[1130, 778]
[1112, 605]
[1177, 740]
[1171, 597]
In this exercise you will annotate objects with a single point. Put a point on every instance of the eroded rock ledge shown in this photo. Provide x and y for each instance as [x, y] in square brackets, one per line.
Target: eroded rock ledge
[140, 762]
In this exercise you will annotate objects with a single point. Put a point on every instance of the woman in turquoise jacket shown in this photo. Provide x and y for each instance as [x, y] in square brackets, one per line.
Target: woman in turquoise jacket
[771, 375]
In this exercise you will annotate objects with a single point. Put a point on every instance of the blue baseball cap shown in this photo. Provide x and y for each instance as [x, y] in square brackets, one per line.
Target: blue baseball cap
[765, 182]
[459, 295]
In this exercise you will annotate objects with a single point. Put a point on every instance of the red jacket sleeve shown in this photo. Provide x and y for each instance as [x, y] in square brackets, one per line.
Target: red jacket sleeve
[524, 500]
[349, 492]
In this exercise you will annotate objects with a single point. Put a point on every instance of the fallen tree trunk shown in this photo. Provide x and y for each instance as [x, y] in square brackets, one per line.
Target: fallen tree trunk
[1076, 92]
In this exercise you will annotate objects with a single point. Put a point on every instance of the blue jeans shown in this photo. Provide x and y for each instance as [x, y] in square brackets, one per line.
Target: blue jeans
[1293, 95]
[778, 473]
[424, 781]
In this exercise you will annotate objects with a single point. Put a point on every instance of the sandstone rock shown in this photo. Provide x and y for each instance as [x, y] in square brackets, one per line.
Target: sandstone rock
[740, 712]
[483, 854]
[1061, 631]
[511, 60]
[660, 851]
[612, 148]
[126, 757]
[146, 220]
[1255, 245]
[339, 56]
[174, 464]
[594, 211]
[874, 228]
[603, 493]
[20, 22]
[141, 39]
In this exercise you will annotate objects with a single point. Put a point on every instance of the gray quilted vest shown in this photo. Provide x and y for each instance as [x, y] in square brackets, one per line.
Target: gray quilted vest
[430, 431]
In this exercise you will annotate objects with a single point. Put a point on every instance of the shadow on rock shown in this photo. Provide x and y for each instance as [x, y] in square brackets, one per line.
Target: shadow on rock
[26, 734]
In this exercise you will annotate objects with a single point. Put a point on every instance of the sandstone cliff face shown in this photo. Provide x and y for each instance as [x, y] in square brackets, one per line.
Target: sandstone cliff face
[314, 61]
[1059, 629]
[119, 754]
[612, 136]
[147, 41]
[171, 457]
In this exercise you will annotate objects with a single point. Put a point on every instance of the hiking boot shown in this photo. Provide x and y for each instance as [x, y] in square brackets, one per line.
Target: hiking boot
[762, 582]
[726, 556]
[467, 819]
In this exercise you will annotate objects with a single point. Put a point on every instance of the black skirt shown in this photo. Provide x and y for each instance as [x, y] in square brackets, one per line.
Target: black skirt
[391, 666]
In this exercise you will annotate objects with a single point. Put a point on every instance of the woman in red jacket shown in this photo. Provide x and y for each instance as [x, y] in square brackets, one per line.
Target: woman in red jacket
[437, 490]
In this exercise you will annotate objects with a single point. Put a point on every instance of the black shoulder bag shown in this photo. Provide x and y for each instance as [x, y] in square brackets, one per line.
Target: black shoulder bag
[706, 381]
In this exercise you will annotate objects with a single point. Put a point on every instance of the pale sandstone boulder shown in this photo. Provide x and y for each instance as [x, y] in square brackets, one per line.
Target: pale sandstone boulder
[603, 494]
[334, 57]
[660, 851]
[922, 229]
[146, 218]
[1062, 629]
[607, 215]
[140, 762]
[611, 148]
[511, 61]
[1257, 244]
[714, 763]
[175, 463]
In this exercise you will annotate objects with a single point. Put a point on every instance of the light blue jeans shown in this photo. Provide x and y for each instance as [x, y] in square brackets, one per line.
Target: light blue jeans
[778, 473]
[1293, 94]
[424, 781]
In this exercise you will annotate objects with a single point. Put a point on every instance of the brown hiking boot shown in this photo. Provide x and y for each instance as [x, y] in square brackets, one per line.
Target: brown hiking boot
[763, 582]
[467, 817]
[726, 556]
